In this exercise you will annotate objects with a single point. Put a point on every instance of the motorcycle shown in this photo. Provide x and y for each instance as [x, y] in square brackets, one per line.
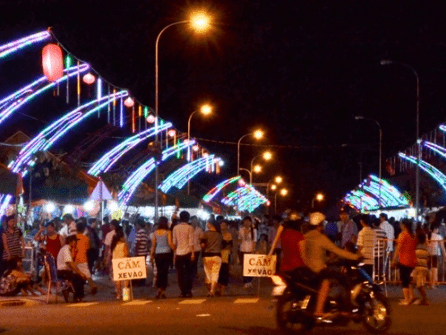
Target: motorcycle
[353, 297]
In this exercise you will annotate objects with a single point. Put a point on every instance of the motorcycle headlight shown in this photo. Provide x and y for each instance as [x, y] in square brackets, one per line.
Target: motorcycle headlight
[278, 281]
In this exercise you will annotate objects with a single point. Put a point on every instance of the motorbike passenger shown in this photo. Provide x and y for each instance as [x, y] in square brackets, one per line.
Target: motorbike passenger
[291, 239]
[316, 245]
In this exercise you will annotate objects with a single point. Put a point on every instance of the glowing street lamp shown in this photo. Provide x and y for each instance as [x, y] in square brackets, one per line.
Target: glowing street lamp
[258, 134]
[266, 156]
[200, 22]
[278, 179]
[257, 169]
[205, 110]
[283, 193]
[319, 197]
[273, 187]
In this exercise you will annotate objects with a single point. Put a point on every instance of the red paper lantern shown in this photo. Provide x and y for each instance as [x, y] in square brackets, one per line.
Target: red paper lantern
[89, 78]
[52, 62]
[129, 102]
[150, 118]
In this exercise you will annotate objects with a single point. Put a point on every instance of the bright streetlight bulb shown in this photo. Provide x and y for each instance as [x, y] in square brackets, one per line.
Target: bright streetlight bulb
[283, 191]
[200, 21]
[278, 180]
[267, 155]
[258, 134]
[206, 109]
[273, 187]
[319, 197]
[257, 168]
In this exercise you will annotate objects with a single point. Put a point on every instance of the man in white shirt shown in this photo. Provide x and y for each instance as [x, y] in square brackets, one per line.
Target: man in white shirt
[183, 245]
[366, 243]
[67, 269]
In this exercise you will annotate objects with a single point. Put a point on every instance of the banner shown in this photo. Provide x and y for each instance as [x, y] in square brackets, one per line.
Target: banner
[258, 265]
[129, 268]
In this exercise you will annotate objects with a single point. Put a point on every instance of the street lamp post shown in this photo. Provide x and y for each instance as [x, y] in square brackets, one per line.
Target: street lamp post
[417, 173]
[283, 192]
[380, 151]
[200, 22]
[249, 172]
[258, 134]
[205, 110]
[266, 155]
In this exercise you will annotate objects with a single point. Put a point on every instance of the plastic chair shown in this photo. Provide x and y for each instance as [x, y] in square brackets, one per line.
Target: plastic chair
[60, 284]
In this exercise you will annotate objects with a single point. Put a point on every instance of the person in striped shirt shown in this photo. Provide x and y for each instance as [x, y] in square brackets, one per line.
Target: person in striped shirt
[419, 274]
[380, 250]
[141, 243]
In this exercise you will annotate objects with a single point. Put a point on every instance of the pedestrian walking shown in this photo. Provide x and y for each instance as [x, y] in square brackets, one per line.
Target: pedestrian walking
[247, 238]
[141, 242]
[160, 255]
[420, 272]
[183, 246]
[366, 243]
[197, 248]
[211, 241]
[119, 249]
[436, 248]
[226, 250]
[80, 253]
[406, 259]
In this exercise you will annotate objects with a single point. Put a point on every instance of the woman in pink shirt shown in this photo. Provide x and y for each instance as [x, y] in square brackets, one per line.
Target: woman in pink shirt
[407, 259]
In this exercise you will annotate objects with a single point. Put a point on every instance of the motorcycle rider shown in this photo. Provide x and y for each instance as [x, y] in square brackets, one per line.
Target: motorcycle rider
[316, 245]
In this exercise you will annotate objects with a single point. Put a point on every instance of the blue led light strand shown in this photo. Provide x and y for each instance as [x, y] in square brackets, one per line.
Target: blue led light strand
[9, 48]
[438, 176]
[7, 111]
[134, 180]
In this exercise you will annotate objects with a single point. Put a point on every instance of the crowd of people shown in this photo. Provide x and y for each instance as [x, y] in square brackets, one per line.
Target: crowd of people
[83, 248]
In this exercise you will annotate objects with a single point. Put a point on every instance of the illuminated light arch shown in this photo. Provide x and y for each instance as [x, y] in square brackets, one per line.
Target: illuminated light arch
[9, 48]
[212, 193]
[443, 127]
[428, 168]
[373, 190]
[135, 179]
[21, 92]
[57, 129]
[181, 176]
[110, 158]
[7, 110]
[245, 197]
[391, 190]
[367, 199]
[435, 147]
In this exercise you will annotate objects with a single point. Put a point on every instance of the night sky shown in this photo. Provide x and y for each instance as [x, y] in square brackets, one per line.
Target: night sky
[300, 70]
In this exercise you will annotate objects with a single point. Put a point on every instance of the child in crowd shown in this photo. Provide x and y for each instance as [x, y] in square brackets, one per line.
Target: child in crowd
[23, 280]
[419, 274]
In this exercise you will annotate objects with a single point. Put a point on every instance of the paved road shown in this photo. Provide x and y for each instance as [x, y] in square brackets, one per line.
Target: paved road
[216, 316]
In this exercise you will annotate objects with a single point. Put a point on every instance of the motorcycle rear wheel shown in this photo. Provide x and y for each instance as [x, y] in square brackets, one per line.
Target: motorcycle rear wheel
[376, 318]
[284, 318]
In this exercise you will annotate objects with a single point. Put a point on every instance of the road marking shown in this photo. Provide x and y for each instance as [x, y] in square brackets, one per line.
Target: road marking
[136, 303]
[83, 304]
[192, 302]
[246, 301]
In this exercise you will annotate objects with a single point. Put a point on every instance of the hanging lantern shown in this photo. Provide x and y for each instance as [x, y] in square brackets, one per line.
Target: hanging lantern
[171, 132]
[150, 118]
[89, 78]
[196, 147]
[52, 62]
[129, 102]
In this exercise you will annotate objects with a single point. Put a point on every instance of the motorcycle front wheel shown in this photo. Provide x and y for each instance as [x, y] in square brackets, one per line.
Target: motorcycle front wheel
[288, 316]
[376, 318]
